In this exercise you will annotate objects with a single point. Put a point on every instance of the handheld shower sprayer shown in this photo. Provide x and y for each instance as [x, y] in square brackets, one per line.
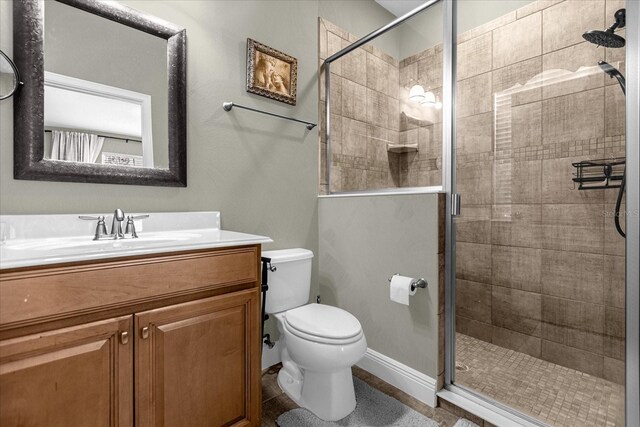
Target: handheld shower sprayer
[608, 38]
[612, 72]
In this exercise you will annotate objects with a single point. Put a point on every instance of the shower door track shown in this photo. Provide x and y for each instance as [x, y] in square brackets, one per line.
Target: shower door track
[487, 408]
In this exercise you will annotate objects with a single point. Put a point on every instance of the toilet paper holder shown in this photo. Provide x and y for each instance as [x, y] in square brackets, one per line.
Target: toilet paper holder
[415, 283]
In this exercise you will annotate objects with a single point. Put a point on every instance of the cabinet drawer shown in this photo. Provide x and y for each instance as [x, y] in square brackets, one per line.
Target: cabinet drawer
[49, 294]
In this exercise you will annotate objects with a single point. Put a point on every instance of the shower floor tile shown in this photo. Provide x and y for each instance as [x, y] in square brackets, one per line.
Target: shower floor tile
[554, 394]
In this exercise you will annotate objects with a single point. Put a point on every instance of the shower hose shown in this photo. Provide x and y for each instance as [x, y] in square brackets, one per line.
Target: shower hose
[619, 202]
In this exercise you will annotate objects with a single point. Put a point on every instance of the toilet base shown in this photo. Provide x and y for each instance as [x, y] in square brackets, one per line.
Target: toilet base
[329, 395]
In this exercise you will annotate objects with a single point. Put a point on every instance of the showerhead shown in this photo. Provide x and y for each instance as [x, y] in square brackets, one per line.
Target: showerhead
[614, 72]
[604, 38]
[608, 38]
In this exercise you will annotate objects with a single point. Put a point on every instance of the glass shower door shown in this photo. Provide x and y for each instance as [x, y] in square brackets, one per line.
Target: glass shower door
[540, 157]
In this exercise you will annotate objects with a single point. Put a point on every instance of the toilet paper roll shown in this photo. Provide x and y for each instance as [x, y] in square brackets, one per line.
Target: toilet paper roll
[400, 289]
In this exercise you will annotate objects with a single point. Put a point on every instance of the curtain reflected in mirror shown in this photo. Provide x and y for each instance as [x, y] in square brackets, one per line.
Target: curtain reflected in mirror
[75, 146]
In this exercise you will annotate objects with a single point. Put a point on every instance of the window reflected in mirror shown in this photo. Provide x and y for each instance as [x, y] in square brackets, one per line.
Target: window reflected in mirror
[105, 97]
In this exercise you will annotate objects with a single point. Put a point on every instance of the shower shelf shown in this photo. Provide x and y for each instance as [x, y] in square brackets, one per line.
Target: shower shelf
[402, 148]
[599, 174]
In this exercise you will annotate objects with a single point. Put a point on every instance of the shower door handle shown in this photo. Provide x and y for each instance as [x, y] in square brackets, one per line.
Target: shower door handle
[455, 204]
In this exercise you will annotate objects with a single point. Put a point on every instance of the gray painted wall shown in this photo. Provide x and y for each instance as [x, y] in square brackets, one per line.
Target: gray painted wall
[260, 172]
[363, 241]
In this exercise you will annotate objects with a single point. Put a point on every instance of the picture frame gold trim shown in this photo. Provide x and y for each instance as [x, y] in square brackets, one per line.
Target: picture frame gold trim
[271, 73]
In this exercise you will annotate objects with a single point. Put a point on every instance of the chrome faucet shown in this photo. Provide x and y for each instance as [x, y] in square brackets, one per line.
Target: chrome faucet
[116, 224]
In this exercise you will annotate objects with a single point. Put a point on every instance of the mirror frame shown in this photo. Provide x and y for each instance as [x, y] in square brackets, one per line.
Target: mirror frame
[28, 122]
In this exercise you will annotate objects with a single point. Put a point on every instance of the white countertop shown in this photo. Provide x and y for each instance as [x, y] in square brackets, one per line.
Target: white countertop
[166, 233]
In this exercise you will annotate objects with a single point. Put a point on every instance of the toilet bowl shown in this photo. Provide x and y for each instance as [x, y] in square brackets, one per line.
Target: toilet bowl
[316, 372]
[319, 343]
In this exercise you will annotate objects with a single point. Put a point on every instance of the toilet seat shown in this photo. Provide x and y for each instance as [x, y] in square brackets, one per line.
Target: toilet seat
[323, 340]
[323, 324]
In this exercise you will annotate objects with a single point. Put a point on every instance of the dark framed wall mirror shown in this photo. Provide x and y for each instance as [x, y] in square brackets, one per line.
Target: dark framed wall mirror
[104, 100]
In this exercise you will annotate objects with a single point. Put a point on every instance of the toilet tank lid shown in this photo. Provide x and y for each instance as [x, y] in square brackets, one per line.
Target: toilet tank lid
[284, 255]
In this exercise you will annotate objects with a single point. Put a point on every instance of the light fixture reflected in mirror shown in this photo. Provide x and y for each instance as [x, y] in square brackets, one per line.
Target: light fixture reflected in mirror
[416, 93]
[429, 99]
[426, 98]
[9, 77]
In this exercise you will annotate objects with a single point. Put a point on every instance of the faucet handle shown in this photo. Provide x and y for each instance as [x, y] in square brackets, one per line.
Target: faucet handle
[91, 218]
[101, 228]
[131, 227]
[138, 216]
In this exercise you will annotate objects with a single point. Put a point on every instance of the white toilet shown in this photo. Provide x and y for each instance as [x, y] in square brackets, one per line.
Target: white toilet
[319, 343]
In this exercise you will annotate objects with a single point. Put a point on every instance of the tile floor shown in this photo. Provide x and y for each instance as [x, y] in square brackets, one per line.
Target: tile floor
[275, 402]
[554, 394]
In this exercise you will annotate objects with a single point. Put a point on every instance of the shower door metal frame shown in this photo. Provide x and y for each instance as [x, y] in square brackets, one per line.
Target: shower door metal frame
[632, 259]
[449, 184]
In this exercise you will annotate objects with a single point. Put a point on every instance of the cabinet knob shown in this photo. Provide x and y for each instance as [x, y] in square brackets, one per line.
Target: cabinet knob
[145, 332]
[124, 337]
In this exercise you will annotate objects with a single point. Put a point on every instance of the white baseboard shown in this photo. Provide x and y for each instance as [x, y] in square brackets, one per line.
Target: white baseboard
[270, 356]
[401, 376]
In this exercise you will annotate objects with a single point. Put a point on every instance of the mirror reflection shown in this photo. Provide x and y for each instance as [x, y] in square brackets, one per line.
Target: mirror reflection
[105, 96]
[9, 77]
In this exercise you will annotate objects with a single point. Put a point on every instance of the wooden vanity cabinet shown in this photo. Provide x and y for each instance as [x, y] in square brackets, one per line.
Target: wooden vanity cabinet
[177, 352]
[193, 362]
[77, 376]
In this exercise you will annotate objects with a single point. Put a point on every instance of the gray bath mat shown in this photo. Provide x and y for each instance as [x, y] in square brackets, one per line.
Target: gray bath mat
[465, 423]
[373, 408]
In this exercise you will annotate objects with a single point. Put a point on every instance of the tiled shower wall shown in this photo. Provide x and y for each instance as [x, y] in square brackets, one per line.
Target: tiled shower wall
[424, 167]
[540, 267]
[370, 109]
[364, 114]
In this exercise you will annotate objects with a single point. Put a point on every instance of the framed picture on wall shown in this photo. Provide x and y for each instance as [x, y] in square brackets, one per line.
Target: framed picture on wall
[271, 73]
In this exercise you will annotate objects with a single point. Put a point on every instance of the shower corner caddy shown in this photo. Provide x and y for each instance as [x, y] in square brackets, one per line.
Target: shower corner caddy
[402, 148]
[599, 174]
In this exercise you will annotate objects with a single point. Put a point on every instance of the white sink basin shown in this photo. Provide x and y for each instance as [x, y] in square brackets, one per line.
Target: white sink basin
[80, 244]
[52, 239]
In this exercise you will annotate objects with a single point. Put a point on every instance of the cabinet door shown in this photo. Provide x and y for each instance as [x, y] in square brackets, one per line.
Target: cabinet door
[198, 363]
[78, 376]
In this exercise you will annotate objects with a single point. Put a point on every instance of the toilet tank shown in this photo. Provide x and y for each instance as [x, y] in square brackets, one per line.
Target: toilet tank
[290, 284]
